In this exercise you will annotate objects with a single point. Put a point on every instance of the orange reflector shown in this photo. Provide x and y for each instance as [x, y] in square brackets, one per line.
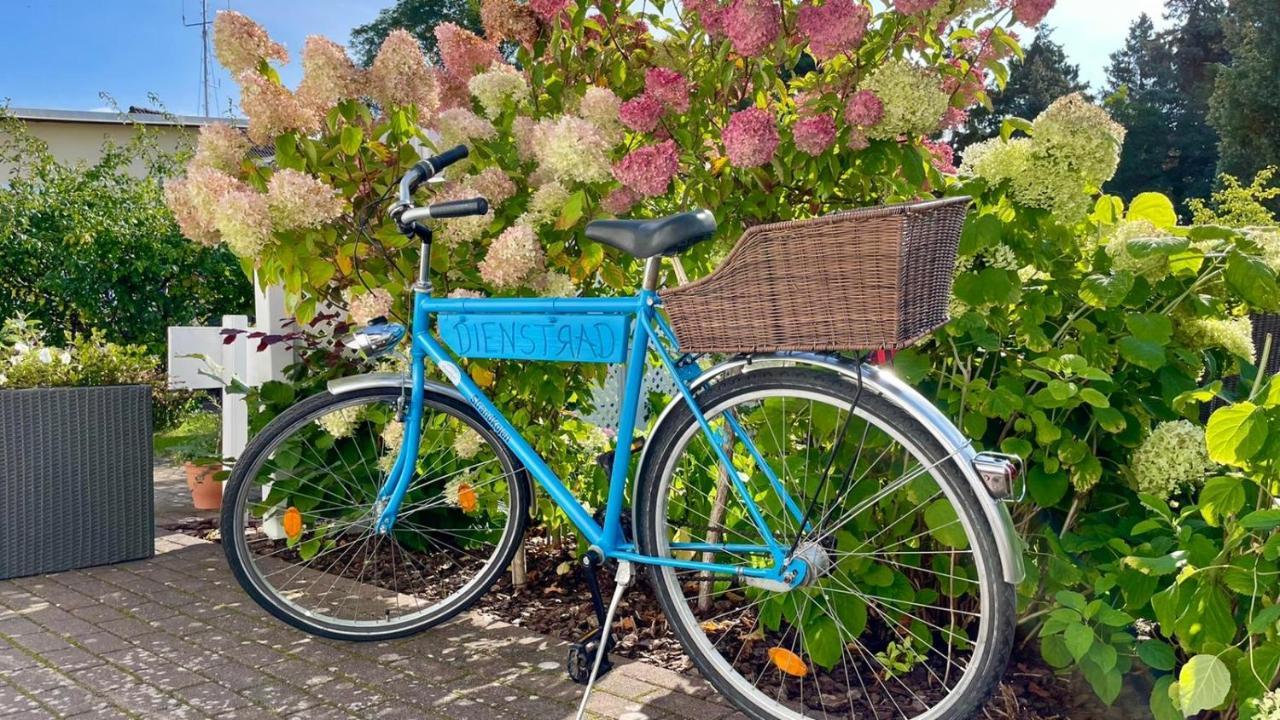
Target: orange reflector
[292, 522]
[788, 662]
[467, 499]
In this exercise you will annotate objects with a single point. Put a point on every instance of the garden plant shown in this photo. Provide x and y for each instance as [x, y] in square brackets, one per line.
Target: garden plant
[1088, 331]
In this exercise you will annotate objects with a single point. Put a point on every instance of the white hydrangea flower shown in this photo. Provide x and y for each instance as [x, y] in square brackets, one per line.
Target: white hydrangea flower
[468, 443]
[342, 422]
[1235, 335]
[1268, 706]
[1173, 456]
[1153, 267]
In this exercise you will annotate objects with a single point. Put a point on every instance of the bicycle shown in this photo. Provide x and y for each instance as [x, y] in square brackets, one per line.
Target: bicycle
[821, 539]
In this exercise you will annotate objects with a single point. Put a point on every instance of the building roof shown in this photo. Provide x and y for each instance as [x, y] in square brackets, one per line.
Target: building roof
[135, 116]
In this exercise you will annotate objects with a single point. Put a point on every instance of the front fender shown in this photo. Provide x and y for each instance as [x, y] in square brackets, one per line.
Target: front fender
[888, 386]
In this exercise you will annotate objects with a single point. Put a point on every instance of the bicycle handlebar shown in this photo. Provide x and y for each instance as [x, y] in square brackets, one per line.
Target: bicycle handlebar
[447, 209]
[425, 170]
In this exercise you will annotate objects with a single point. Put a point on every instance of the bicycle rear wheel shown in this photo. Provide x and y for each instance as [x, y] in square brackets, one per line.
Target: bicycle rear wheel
[300, 513]
[908, 616]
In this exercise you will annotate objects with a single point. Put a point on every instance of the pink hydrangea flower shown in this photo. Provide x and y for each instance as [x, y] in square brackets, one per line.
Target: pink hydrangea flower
[813, 135]
[620, 201]
[669, 87]
[858, 140]
[648, 170]
[942, 155]
[835, 27]
[240, 44]
[710, 12]
[752, 25]
[508, 20]
[864, 109]
[400, 76]
[328, 75]
[955, 118]
[491, 184]
[513, 257]
[911, 7]
[463, 52]
[548, 9]
[221, 146]
[454, 92]
[641, 113]
[751, 137]
[1031, 12]
[272, 109]
[298, 200]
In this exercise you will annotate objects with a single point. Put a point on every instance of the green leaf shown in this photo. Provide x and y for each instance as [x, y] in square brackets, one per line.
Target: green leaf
[352, 137]
[852, 612]
[1203, 684]
[1157, 654]
[1162, 565]
[1261, 520]
[1054, 651]
[1079, 638]
[1159, 245]
[822, 641]
[1094, 398]
[1071, 599]
[1155, 208]
[1253, 280]
[1106, 291]
[1236, 433]
[1162, 707]
[1264, 620]
[572, 211]
[1046, 488]
[1221, 496]
[1012, 125]
[1150, 326]
[1143, 353]
[943, 525]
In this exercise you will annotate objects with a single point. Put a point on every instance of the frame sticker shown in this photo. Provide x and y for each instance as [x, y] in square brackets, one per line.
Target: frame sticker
[584, 338]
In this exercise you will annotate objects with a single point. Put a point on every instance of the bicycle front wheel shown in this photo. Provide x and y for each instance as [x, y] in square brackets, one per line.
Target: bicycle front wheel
[299, 518]
[905, 615]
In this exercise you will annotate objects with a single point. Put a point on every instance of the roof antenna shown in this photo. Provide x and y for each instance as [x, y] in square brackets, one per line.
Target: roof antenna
[203, 24]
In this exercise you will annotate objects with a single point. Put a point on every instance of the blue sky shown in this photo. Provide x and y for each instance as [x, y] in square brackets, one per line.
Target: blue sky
[62, 53]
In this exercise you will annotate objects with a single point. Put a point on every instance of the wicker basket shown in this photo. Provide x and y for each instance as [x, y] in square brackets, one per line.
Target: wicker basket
[864, 279]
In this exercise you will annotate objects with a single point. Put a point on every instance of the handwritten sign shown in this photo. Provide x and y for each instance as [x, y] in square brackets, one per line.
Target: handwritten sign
[560, 338]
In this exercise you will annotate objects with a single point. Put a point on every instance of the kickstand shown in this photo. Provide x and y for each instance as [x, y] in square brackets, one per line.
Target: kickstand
[623, 581]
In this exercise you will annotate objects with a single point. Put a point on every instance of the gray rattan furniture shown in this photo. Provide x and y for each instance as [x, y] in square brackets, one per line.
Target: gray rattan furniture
[75, 478]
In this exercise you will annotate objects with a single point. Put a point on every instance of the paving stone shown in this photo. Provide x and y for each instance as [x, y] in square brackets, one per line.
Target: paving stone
[211, 698]
[17, 626]
[174, 637]
[72, 658]
[103, 677]
[35, 680]
[70, 699]
[279, 698]
[42, 642]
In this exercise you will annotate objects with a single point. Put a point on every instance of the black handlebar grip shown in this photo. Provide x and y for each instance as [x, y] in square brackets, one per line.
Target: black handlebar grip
[449, 157]
[458, 208]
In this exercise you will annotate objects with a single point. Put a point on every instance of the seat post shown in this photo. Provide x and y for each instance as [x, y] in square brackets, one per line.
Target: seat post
[652, 266]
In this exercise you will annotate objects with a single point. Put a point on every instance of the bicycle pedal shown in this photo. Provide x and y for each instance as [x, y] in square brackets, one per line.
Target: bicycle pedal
[581, 657]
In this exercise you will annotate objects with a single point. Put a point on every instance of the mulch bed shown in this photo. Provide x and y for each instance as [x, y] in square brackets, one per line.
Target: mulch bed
[555, 601]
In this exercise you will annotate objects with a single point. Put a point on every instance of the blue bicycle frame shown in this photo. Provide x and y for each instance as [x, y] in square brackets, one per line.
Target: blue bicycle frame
[648, 331]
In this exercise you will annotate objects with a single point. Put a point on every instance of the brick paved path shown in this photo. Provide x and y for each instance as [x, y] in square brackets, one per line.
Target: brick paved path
[174, 637]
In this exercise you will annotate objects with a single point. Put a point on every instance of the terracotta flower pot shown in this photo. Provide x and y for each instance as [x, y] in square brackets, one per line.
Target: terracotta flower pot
[206, 492]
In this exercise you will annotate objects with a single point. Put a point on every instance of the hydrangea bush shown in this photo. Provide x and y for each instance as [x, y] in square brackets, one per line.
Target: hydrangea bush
[1084, 325]
[1087, 335]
